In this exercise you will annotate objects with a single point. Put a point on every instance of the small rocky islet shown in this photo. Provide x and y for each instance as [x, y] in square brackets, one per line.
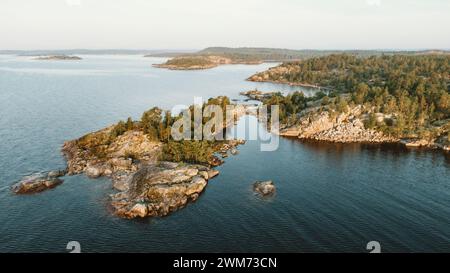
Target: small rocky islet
[38, 182]
[57, 58]
[264, 188]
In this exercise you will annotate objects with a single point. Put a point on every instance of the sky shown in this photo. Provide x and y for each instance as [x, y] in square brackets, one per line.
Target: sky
[196, 24]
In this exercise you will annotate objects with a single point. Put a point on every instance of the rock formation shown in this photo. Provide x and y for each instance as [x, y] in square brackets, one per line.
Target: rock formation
[38, 182]
[264, 188]
[159, 189]
[343, 128]
[146, 185]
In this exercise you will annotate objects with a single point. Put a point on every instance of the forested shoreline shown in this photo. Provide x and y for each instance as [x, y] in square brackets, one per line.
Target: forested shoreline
[412, 92]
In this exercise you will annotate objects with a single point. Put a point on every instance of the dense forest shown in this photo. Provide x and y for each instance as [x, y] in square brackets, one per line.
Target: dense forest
[413, 89]
[280, 54]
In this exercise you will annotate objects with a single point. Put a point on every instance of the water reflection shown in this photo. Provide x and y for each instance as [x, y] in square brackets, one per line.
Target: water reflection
[391, 151]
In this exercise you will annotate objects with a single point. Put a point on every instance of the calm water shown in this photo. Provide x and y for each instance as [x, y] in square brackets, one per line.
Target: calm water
[329, 197]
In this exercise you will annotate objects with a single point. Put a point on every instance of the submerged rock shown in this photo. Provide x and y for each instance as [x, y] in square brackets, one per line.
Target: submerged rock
[36, 183]
[264, 188]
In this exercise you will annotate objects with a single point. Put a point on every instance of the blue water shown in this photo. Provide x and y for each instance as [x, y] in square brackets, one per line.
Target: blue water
[330, 198]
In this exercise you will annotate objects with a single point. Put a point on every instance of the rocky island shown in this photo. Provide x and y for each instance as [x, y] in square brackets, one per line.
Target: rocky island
[191, 63]
[58, 58]
[153, 174]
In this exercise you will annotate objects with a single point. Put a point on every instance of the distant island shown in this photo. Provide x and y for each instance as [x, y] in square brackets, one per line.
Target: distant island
[195, 62]
[213, 56]
[57, 58]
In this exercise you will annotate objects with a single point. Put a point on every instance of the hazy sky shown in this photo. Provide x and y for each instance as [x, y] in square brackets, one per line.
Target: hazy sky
[195, 24]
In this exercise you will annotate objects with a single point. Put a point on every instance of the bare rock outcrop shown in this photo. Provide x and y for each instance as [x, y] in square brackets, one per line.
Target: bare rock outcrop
[124, 154]
[159, 189]
[38, 182]
[344, 128]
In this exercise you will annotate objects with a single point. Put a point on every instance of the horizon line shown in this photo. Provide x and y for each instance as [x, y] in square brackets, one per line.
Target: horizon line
[242, 47]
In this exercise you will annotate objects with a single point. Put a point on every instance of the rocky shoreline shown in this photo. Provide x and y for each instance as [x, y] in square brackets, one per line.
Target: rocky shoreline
[343, 128]
[318, 124]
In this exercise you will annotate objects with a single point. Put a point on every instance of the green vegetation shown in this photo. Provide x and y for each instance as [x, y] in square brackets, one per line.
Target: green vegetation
[96, 143]
[211, 56]
[156, 125]
[188, 151]
[292, 104]
[187, 61]
[194, 151]
[289, 105]
[412, 90]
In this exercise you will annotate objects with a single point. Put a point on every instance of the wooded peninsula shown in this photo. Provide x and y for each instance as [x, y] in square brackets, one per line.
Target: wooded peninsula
[404, 97]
